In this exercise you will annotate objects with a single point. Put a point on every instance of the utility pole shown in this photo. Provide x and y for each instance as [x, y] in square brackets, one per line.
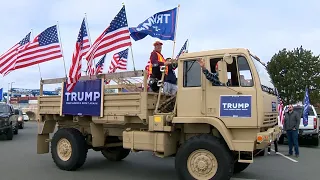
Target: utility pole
[10, 92]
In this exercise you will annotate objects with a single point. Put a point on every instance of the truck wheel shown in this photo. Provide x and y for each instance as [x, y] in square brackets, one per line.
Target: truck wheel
[16, 129]
[115, 153]
[9, 134]
[239, 167]
[204, 157]
[69, 149]
[315, 140]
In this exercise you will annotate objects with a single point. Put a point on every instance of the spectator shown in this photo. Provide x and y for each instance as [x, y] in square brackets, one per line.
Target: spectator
[291, 126]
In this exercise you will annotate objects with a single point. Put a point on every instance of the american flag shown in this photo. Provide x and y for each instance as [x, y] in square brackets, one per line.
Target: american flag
[114, 37]
[280, 109]
[82, 47]
[119, 62]
[44, 47]
[8, 59]
[100, 64]
[183, 49]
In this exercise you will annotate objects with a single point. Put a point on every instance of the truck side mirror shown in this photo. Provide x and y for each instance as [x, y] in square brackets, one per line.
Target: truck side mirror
[222, 68]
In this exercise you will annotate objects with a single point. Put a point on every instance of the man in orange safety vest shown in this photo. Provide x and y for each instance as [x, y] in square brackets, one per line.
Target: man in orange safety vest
[156, 61]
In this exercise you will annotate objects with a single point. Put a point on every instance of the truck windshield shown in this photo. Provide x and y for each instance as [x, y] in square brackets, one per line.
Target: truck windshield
[263, 73]
[4, 109]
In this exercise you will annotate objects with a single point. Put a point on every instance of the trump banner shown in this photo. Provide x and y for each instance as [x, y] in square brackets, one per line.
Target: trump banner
[161, 25]
[235, 106]
[85, 99]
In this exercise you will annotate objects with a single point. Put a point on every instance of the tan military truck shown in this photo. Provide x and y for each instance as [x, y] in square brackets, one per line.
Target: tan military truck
[212, 131]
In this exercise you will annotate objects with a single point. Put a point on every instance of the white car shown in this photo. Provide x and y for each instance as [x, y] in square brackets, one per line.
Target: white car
[25, 117]
[311, 131]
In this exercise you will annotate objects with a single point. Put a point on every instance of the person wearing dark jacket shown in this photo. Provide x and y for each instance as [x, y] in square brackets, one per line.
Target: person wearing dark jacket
[170, 80]
[291, 126]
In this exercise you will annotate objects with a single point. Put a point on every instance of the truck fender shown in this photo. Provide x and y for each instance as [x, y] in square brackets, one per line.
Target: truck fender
[215, 122]
[44, 129]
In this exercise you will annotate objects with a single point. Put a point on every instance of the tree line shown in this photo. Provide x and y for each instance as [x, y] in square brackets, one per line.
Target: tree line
[292, 71]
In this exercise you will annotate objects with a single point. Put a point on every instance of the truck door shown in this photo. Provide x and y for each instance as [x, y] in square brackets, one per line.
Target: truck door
[190, 94]
[234, 104]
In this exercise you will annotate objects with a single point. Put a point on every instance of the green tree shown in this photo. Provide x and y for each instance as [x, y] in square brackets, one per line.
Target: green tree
[294, 70]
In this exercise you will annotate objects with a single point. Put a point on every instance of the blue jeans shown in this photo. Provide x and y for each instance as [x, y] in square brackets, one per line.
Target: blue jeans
[292, 136]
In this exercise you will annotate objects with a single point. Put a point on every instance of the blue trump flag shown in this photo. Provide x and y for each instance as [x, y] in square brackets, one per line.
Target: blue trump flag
[1, 93]
[161, 25]
[306, 108]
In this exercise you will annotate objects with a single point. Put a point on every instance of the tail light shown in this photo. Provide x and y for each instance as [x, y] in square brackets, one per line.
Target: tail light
[20, 118]
[315, 123]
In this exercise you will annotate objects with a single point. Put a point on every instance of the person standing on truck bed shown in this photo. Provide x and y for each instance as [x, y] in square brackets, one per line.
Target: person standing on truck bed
[170, 81]
[156, 61]
[212, 77]
[291, 126]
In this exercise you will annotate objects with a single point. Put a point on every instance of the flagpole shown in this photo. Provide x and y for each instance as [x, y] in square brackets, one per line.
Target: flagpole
[89, 37]
[175, 30]
[32, 37]
[187, 48]
[64, 62]
[134, 66]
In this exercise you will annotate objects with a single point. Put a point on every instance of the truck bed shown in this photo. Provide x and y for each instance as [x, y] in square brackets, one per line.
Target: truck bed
[117, 107]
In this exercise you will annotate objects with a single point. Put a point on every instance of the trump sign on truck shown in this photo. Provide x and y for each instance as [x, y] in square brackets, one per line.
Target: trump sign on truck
[235, 106]
[85, 99]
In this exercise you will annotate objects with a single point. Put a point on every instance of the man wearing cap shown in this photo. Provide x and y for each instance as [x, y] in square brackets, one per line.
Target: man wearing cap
[156, 61]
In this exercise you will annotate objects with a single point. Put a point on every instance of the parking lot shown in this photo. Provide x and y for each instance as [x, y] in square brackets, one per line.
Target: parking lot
[19, 161]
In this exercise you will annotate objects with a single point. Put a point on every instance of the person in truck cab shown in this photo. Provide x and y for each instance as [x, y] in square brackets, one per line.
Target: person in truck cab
[291, 126]
[156, 61]
[212, 77]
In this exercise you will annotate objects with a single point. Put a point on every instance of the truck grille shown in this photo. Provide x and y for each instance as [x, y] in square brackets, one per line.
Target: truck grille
[270, 119]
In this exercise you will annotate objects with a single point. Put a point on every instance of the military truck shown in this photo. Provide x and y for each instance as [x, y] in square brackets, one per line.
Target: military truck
[212, 131]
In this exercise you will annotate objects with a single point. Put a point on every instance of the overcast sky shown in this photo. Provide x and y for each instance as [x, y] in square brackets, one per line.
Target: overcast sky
[264, 27]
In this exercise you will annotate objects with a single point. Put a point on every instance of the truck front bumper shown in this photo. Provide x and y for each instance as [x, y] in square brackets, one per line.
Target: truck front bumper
[267, 137]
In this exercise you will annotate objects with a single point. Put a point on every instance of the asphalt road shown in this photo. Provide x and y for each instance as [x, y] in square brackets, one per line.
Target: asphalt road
[19, 161]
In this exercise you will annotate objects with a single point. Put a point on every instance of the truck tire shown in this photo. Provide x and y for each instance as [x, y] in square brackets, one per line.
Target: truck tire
[69, 149]
[16, 129]
[315, 140]
[115, 153]
[211, 157]
[9, 135]
[239, 167]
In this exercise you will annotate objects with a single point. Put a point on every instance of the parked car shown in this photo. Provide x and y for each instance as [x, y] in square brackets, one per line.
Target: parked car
[311, 131]
[8, 121]
[25, 117]
[19, 114]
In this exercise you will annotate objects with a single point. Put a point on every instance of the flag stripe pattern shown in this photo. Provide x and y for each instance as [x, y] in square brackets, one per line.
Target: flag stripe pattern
[100, 65]
[114, 37]
[44, 47]
[8, 59]
[82, 47]
[280, 109]
[119, 61]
